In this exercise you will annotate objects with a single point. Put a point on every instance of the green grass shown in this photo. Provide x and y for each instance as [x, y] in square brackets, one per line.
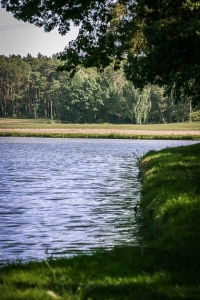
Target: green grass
[166, 268]
[171, 198]
[162, 136]
[8, 123]
[117, 274]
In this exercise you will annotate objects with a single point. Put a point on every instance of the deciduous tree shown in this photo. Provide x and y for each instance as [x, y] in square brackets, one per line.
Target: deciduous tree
[159, 39]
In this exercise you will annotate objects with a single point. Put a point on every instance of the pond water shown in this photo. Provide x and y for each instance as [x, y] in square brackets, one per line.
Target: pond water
[62, 196]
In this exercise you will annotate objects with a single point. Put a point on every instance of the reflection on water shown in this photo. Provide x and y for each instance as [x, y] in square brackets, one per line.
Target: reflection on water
[59, 196]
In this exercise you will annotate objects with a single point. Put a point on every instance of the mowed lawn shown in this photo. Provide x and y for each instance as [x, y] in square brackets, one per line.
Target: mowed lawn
[8, 123]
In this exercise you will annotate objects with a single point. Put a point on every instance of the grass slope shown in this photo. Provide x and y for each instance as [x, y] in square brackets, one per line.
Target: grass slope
[171, 200]
[168, 268]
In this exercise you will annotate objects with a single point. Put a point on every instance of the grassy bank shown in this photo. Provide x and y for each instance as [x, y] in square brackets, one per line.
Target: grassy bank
[171, 198]
[162, 136]
[165, 266]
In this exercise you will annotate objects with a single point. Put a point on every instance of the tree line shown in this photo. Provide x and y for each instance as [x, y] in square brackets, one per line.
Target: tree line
[34, 88]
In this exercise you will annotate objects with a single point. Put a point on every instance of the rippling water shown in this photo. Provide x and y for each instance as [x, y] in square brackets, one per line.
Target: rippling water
[60, 196]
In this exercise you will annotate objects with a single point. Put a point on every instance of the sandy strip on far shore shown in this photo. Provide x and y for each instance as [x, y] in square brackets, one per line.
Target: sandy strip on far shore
[103, 131]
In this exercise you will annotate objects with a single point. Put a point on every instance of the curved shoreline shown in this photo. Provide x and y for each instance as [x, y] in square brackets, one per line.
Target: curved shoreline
[165, 267]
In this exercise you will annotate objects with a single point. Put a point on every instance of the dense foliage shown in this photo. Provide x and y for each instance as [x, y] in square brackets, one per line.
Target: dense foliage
[159, 39]
[32, 88]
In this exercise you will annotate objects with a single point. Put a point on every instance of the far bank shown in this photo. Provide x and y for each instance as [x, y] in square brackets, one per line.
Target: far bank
[47, 128]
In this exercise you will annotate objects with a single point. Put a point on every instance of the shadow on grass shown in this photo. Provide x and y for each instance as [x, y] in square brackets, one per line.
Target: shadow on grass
[122, 273]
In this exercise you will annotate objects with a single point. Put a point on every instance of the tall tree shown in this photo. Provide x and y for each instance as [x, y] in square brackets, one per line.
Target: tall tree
[171, 30]
[14, 81]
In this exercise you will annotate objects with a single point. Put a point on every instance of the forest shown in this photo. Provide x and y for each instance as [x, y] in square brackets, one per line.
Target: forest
[34, 88]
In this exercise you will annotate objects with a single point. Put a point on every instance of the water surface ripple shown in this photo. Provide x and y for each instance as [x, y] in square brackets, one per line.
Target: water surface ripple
[60, 196]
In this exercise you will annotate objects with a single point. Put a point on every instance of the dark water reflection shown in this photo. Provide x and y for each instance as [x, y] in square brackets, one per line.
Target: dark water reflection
[60, 196]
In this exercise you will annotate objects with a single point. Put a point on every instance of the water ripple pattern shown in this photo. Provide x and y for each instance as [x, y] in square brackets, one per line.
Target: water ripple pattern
[60, 196]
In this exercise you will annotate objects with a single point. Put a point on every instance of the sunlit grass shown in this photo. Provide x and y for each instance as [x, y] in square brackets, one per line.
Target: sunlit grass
[51, 124]
[171, 197]
[53, 129]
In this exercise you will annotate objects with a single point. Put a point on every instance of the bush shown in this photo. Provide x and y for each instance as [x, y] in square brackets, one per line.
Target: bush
[195, 116]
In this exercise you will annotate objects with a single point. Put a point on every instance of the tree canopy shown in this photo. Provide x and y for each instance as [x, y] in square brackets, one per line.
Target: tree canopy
[32, 88]
[160, 40]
